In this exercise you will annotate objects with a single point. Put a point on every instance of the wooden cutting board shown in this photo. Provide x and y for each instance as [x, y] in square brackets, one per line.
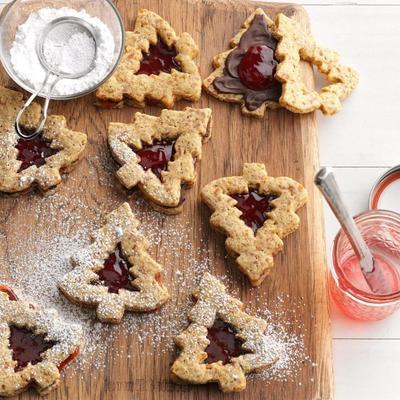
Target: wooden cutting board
[286, 143]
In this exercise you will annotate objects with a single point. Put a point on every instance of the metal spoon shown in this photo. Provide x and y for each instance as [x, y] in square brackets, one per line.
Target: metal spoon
[326, 183]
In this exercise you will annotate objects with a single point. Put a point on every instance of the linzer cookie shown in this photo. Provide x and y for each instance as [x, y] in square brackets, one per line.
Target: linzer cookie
[295, 45]
[222, 343]
[255, 212]
[116, 273]
[158, 66]
[42, 161]
[35, 345]
[158, 154]
[246, 74]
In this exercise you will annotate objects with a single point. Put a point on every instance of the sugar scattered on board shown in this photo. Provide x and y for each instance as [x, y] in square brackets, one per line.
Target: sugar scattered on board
[43, 260]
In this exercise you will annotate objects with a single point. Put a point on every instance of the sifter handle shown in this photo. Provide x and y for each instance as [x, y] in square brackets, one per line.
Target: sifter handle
[43, 119]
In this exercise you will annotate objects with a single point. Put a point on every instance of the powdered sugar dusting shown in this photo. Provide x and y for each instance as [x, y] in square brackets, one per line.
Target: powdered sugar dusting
[36, 267]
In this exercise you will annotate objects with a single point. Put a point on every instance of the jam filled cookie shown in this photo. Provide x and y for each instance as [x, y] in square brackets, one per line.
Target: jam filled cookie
[246, 74]
[35, 345]
[158, 154]
[295, 45]
[255, 212]
[116, 273]
[222, 343]
[42, 161]
[158, 66]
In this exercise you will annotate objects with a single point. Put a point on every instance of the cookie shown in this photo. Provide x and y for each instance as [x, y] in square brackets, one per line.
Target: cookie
[116, 273]
[222, 343]
[235, 79]
[158, 154]
[40, 162]
[255, 212]
[35, 345]
[158, 66]
[294, 45]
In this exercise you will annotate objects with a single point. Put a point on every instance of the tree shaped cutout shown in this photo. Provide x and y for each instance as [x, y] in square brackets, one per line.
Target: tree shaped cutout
[255, 212]
[142, 74]
[158, 154]
[35, 345]
[213, 308]
[116, 273]
[296, 45]
[253, 45]
[24, 164]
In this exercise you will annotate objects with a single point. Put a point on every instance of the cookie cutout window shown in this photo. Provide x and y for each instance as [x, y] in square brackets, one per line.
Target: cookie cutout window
[223, 343]
[36, 345]
[158, 67]
[254, 207]
[33, 152]
[27, 347]
[255, 212]
[295, 45]
[116, 273]
[246, 74]
[39, 162]
[158, 154]
[159, 58]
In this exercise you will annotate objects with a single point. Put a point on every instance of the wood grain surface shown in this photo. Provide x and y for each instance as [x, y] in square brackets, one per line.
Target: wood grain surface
[286, 143]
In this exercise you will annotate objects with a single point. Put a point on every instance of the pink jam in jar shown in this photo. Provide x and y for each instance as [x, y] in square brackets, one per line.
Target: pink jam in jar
[378, 297]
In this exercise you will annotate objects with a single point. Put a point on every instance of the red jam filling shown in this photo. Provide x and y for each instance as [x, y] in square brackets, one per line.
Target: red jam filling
[254, 206]
[115, 273]
[70, 358]
[223, 343]
[107, 104]
[11, 295]
[33, 152]
[157, 155]
[27, 347]
[258, 67]
[160, 58]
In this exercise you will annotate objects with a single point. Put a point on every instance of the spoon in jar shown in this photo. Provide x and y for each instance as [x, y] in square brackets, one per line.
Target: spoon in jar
[326, 183]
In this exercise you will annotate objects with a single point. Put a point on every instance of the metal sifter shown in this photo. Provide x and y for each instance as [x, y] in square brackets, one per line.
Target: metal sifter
[54, 69]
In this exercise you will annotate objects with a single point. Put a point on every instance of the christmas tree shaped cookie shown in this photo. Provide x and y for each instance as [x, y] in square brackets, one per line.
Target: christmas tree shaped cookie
[116, 273]
[246, 73]
[158, 154]
[255, 212]
[158, 66]
[42, 161]
[295, 45]
[222, 343]
[35, 345]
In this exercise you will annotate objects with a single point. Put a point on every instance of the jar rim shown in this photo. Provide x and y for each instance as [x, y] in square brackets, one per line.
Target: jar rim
[339, 276]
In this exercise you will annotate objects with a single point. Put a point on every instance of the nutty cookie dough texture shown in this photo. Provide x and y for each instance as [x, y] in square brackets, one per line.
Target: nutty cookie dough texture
[69, 147]
[254, 252]
[291, 44]
[134, 89]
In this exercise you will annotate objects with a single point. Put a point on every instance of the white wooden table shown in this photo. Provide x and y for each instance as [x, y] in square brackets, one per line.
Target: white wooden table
[361, 142]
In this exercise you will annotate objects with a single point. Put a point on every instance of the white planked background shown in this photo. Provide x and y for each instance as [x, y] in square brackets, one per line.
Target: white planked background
[361, 143]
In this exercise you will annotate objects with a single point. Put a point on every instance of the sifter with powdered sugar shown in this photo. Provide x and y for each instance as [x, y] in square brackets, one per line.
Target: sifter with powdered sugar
[72, 33]
[62, 40]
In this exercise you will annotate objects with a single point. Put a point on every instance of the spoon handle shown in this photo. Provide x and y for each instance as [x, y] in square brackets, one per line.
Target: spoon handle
[326, 182]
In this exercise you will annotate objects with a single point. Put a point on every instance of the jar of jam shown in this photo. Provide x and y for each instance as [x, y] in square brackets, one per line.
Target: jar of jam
[378, 297]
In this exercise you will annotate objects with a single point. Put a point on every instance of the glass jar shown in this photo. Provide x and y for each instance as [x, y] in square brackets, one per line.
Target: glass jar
[381, 231]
